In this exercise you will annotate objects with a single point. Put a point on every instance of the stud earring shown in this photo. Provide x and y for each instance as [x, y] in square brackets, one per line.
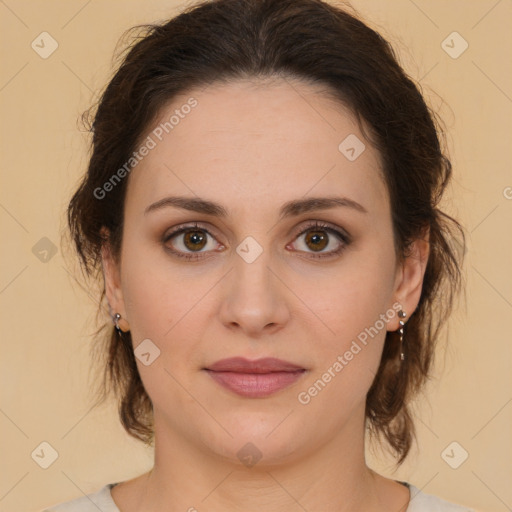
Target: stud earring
[116, 319]
[401, 314]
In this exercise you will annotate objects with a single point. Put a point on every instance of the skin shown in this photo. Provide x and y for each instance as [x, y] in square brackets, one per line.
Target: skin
[252, 146]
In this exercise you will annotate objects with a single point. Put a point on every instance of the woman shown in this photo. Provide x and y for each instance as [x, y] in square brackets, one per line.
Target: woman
[262, 199]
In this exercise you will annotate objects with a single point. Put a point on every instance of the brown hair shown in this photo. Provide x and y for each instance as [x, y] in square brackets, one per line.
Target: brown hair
[310, 40]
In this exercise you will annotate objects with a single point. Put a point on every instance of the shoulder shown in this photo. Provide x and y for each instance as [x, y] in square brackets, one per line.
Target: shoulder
[99, 500]
[422, 502]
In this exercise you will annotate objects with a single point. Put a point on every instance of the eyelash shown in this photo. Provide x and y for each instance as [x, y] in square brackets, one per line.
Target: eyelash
[312, 226]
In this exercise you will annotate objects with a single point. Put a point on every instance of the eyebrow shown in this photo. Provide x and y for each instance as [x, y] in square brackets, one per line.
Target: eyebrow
[289, 209]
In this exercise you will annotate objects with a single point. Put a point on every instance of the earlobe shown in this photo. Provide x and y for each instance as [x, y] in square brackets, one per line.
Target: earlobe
[409, 283]
[112, 282]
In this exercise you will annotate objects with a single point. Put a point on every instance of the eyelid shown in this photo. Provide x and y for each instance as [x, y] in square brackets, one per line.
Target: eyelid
[320, 224]
[181, 229]
[310, 225]
[185, 226]
[299, 231]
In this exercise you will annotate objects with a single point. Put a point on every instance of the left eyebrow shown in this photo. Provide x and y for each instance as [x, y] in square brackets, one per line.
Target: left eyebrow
[299, 206]
[289, 209]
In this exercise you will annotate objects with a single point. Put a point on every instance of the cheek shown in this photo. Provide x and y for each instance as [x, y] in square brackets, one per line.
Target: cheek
[162, 300]
[151, 298]
[348, 361]
[356, 307]
[161, 305]
[357, 295]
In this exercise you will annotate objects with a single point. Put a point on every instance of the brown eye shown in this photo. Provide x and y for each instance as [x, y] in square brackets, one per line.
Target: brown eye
[317, 240]
[194, 240]
[189, 242]
[317, 237]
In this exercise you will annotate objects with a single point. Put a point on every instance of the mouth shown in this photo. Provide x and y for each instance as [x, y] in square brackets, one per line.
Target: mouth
[255, 379]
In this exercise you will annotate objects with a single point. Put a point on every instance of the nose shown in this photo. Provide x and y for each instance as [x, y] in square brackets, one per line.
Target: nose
[254, 298]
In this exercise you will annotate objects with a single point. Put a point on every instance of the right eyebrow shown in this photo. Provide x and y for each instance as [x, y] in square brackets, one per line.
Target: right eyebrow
[189, 203]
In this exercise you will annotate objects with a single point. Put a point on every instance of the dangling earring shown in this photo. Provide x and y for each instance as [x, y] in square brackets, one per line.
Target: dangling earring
[401, 314]
[116, 319]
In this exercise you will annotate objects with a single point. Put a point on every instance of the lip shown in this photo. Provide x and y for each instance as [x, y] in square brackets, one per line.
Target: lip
[255, 379]
[263, 365]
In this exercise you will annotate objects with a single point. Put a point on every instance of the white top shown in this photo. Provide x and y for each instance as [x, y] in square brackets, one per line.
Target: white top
[102, 501]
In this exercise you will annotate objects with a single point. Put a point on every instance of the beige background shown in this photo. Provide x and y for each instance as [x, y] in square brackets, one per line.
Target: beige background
[47, 319]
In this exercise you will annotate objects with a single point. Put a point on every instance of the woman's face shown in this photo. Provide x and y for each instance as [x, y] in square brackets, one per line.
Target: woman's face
[261, 281]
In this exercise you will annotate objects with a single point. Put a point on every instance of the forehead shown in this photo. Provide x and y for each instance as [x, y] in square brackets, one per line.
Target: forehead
[251, 141]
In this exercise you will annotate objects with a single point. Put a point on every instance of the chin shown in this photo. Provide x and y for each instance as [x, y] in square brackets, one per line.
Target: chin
[259, 442]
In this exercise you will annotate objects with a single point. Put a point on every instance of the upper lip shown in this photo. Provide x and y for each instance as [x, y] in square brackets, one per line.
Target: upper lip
[263, 365]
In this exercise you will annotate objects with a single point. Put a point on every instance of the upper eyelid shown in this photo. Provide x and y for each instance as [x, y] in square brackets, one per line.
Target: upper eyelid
[309, 224]
[323, 225]
[180, 228]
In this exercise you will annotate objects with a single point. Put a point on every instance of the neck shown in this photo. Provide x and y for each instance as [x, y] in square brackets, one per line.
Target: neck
[330, 477]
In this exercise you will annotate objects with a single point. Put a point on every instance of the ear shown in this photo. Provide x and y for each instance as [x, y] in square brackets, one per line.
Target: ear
[409, 277]
[112, 280]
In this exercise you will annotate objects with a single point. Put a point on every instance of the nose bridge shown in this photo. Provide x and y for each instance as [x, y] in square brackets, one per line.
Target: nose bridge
[251, 275]
[254, 298]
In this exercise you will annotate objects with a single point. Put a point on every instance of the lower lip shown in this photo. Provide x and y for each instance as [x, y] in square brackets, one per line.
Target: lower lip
[256, 385]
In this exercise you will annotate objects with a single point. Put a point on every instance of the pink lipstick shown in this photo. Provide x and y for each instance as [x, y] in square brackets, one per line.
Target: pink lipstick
[255, 379]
